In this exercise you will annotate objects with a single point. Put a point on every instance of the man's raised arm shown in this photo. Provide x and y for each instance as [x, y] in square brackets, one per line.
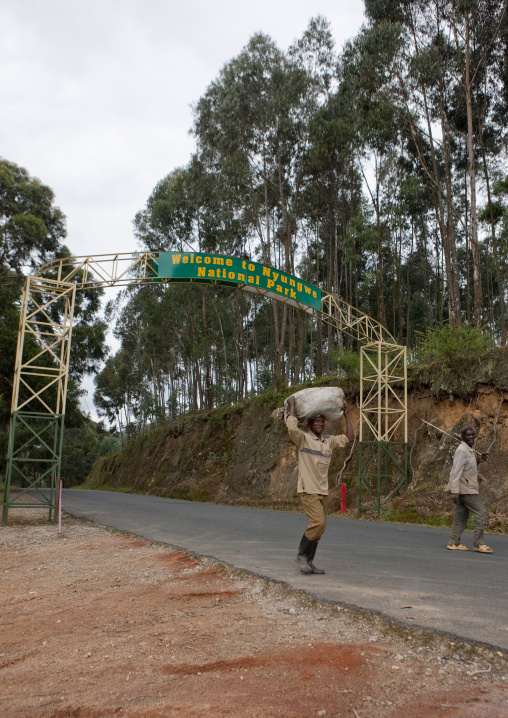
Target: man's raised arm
[295, 434]
[349, 427]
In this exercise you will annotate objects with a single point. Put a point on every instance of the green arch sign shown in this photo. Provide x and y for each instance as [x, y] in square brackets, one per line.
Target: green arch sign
[200, 267]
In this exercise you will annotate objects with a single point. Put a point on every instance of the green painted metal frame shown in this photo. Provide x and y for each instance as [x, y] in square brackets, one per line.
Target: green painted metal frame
[387, 482]
[52, 425]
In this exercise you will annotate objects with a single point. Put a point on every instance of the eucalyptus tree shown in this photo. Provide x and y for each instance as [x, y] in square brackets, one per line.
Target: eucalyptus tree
[168, 364]
[32, 229]
[420, 87]
[481, 34]
[331, 198]
[495, 215]
[446, 54]
[350, 171]
[367, 78]
[252, 126]
[115, 392]
[475, 25]
[192, 209]
[166, 222]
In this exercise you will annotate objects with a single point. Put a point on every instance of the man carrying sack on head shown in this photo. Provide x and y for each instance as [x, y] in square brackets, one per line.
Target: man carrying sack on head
[314, 456]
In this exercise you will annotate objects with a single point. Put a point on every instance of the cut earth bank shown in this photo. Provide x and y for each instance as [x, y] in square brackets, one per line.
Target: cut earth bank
[242, 456]
[98, 624]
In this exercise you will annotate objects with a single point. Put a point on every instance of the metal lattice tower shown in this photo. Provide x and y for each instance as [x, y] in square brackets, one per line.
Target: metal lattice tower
[383, 428]
[39, 388]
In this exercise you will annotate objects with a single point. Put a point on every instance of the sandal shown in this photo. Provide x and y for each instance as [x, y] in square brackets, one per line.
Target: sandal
[457, 547]
[483, 549]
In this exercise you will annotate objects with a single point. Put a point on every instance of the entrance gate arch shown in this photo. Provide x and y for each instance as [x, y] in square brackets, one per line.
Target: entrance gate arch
[40, 380]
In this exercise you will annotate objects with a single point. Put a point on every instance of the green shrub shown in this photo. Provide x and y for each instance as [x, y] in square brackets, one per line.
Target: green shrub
[454, 348]
[265, 378]
[348, 364]
[109, 445]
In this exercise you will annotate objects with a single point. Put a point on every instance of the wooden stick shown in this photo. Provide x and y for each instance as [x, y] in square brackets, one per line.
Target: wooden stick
[447, 434]
[475, 673]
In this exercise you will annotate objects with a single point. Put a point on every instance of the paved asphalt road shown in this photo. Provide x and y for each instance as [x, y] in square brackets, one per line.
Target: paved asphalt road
[392, 569]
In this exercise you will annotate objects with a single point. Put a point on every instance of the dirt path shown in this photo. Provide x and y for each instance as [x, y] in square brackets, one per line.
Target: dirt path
[98, 624]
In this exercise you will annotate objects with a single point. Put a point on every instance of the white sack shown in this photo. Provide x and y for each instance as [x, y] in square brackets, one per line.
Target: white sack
[326, 400]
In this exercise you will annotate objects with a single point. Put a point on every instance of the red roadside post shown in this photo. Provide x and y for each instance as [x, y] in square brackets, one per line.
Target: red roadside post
[60, 507]
[342, 498]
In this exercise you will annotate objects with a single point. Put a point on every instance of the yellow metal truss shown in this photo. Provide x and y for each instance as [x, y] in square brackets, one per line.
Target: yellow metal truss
[40, 379]
[383, 392]
[383, 458]
[352, 321]
[41, 374]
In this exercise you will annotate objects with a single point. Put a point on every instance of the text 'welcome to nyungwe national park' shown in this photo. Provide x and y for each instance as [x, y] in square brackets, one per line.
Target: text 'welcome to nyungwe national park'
[189, 266]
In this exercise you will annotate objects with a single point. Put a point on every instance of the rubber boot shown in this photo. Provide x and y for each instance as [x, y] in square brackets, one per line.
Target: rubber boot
[302, 558]
[311, 555]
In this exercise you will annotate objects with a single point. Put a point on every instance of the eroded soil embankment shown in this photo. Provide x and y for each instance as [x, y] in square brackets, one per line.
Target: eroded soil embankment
[98, 624]
[243, 456]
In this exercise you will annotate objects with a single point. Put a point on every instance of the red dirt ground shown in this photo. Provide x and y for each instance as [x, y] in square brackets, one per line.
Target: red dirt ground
[98, 624]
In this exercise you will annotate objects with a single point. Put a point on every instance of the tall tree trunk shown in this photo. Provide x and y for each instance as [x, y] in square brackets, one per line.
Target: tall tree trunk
[286, 236]
[374, 196]
[256, 353]
[291, 343]
[499, 278]
[319, 347]
[208, 384]
[477, 283]
[329, 282]
[439, 283]
[468, 271]
[408, 288]
[299, 357]
[439, 195]
[119, 423]
[380, 278]
[276, 346]
[241, 349]
[450, 246]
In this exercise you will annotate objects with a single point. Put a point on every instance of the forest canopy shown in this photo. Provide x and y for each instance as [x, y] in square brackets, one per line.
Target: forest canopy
[377, 172]
[32, 233]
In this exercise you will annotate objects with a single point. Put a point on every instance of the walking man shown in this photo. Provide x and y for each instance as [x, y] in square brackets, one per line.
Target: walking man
[314, 456]
[463, 485]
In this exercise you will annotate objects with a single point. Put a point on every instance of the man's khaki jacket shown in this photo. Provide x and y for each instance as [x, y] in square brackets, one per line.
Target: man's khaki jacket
[314, 457]
[464, 473]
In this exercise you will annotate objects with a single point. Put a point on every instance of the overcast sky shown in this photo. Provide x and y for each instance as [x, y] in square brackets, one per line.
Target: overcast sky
[96, 95]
